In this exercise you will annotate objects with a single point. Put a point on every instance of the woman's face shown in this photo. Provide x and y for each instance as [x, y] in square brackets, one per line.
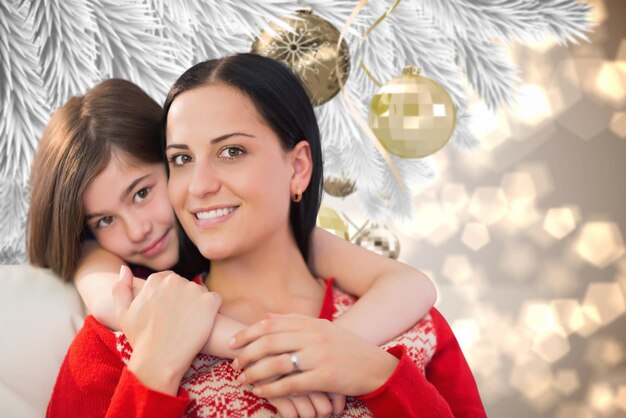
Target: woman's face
[128, 211]
[230, 179]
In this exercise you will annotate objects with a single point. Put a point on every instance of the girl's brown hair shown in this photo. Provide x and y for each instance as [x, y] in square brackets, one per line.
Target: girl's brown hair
[77, 144]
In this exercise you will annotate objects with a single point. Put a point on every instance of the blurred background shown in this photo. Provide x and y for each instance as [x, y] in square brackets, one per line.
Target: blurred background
[523, 234]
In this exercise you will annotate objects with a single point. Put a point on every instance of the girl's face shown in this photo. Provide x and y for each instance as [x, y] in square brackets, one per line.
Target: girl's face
[230, 179]
[128, 211]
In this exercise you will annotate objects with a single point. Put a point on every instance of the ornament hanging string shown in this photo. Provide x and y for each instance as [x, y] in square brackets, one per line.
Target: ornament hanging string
[355, 114]
[366, 70]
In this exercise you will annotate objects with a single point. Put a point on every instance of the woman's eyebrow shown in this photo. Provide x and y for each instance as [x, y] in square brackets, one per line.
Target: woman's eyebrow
[213, 141]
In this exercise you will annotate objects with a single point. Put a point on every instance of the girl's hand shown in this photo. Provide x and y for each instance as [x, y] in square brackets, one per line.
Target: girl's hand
[315, 404]
[167, 324]
[327, 358]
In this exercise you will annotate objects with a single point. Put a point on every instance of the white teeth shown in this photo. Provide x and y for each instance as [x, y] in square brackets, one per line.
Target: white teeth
[216, 213]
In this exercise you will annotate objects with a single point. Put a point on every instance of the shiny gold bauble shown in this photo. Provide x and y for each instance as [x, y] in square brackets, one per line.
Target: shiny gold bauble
[338, 186]
[380, 240]
[309, 48]
[412, 116]
[330, 220]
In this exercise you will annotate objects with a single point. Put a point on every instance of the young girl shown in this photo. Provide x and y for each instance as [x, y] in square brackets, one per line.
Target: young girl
[245, 172]
[98, 174]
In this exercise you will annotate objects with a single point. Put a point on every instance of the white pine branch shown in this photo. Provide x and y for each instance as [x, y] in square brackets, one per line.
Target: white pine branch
[131, 50]
[511, 20]
[566, 21]
[174, 19]
[216, 33]
[23, 111]
[64, 31]
[14, 209]
[463, 137]
[489, 72]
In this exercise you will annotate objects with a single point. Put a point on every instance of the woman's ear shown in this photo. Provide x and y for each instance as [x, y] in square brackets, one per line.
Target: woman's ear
[302, 165]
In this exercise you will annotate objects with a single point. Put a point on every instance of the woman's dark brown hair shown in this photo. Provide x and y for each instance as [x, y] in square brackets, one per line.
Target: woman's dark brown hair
[77, 144]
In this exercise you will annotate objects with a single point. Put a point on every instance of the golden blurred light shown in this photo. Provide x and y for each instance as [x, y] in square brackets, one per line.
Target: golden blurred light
[488, 205]
[609, 84]
[620, 398]
[559, 222]
[493, 130]
[454, 197]
[601, 397]
[564, 90]
[558, 278]
[591, 323]
[599, 243]
[570, 314]
[457, 268]
[446, 230]
[485, 358]
[573, 410]
[519, 189]
[566, 381]
[518, 261]
[551, 346]
[467, 332]
[475, 235]
[522, 217]
[533, 105]
[598, 12]
[604, 302]
[532, 379]
[618, 124]
[620, 58]
[540, 317]
[603, 353]
[428, 215]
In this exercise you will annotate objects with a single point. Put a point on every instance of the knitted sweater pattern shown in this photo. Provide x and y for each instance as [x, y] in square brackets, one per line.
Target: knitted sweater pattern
[212, 384]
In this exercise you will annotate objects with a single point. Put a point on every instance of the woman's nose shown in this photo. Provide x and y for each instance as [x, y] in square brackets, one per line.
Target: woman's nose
[204, 180]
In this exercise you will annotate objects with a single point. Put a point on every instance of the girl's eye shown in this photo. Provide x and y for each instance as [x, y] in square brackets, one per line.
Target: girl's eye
[105, 221]
[141, 195]
[180, 159]
[232, 152]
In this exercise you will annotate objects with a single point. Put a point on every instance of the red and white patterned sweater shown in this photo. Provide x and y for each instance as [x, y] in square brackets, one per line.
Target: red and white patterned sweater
[432, 378]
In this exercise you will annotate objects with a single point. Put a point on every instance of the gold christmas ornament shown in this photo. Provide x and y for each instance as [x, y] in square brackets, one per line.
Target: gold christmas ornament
[338, 186]
[412, 116]
[330, 220]
[380, 240]
[309, 48]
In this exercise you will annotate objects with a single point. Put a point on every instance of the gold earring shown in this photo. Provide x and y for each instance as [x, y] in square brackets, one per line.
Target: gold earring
[298, 196]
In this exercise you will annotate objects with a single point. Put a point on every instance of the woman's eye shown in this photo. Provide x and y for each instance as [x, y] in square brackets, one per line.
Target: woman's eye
[141, 194]
[180, 159]
[105, 221]
[232, 152]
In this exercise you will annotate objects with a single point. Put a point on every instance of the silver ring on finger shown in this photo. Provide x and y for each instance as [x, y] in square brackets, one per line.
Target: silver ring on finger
[295, 363]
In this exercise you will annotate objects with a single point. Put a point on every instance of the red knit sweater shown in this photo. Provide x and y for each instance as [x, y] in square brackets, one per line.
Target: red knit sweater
[432, 379]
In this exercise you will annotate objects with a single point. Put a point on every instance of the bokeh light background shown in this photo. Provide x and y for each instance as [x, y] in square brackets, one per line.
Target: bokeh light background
[524, 237]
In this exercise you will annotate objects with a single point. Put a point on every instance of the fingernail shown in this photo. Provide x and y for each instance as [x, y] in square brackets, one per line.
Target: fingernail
[121, 271]
[232, 341]
[235, 364]
[242, 378]
[257, 391]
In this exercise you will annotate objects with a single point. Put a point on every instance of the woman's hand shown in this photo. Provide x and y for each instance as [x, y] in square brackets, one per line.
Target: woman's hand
[167, 324]
[327, 358]
[315, 405]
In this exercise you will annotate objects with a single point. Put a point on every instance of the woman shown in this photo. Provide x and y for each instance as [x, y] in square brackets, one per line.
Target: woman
[245, 170]
[103, 145]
